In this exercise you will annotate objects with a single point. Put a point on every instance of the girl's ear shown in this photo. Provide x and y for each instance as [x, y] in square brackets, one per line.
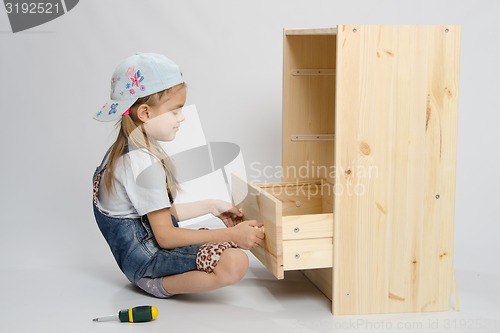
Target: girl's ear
[143, 112]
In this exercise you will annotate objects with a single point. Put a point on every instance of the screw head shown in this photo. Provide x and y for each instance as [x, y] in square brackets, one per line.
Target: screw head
[354, 30]
[438, 196]
[297, 256]
[298, 203]
[296, 229]
[446, 30]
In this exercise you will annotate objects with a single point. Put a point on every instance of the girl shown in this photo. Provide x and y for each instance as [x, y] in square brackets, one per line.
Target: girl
[135, 185]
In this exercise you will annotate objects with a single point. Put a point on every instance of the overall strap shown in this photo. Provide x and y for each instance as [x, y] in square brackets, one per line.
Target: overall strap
[102, 166]
[97, 176]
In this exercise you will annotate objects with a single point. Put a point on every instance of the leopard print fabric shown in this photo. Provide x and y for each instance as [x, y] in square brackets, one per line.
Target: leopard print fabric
[96, 187]
[209, 254]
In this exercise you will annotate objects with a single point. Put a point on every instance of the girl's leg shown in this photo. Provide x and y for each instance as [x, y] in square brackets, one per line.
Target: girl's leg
[232, 267]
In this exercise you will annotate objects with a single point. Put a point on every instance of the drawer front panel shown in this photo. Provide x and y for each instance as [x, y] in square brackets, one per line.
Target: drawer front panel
[307, 254]
[307, 226]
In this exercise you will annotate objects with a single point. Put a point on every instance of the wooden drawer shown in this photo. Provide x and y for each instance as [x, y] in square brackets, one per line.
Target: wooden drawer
[299, 234]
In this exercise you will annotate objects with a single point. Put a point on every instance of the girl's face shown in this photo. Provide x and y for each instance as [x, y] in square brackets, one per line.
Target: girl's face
[165, 117]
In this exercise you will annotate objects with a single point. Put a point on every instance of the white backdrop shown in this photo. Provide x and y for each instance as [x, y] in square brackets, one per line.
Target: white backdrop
[53, 77]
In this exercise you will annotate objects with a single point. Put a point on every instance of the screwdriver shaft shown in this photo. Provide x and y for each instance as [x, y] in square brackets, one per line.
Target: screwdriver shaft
[106, 318]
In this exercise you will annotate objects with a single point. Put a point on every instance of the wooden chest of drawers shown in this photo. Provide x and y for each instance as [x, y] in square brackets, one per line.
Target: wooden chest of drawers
[366, 206]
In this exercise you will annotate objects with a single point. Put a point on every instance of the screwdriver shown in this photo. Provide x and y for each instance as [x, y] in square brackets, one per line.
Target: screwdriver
[138, 314]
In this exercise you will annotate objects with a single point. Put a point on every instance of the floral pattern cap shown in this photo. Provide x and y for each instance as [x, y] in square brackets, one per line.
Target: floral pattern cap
[138, 76]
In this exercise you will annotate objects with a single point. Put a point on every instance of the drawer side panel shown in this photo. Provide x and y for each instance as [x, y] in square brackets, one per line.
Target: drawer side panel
[258, 205]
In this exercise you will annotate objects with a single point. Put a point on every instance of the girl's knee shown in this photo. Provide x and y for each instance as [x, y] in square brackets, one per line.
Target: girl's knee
[233, 265]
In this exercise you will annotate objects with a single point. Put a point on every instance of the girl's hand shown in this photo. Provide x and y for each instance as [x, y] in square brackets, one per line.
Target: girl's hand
[246, 236]
[229, 214]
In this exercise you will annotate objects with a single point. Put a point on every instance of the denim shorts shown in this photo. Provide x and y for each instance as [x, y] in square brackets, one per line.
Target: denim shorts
[134, 247]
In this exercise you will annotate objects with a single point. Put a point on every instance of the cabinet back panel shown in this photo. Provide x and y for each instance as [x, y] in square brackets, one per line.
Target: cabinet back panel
[308, 106]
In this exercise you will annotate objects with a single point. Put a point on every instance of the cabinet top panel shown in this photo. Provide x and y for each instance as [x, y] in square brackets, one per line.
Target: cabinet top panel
[310, 31]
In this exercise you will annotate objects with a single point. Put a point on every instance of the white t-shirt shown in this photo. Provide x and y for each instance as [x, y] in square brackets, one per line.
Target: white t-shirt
[140, 186]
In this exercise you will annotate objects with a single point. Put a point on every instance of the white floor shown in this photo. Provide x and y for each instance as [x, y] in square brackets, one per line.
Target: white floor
[66, 300]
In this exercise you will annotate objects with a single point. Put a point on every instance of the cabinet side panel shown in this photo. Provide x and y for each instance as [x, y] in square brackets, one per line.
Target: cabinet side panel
[440, 167]
[397, 89]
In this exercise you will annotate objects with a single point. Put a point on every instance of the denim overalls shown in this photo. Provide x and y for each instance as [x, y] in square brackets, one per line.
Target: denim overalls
[134, 247]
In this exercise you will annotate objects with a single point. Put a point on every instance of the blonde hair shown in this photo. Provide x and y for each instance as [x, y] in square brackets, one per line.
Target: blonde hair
[132, 132]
